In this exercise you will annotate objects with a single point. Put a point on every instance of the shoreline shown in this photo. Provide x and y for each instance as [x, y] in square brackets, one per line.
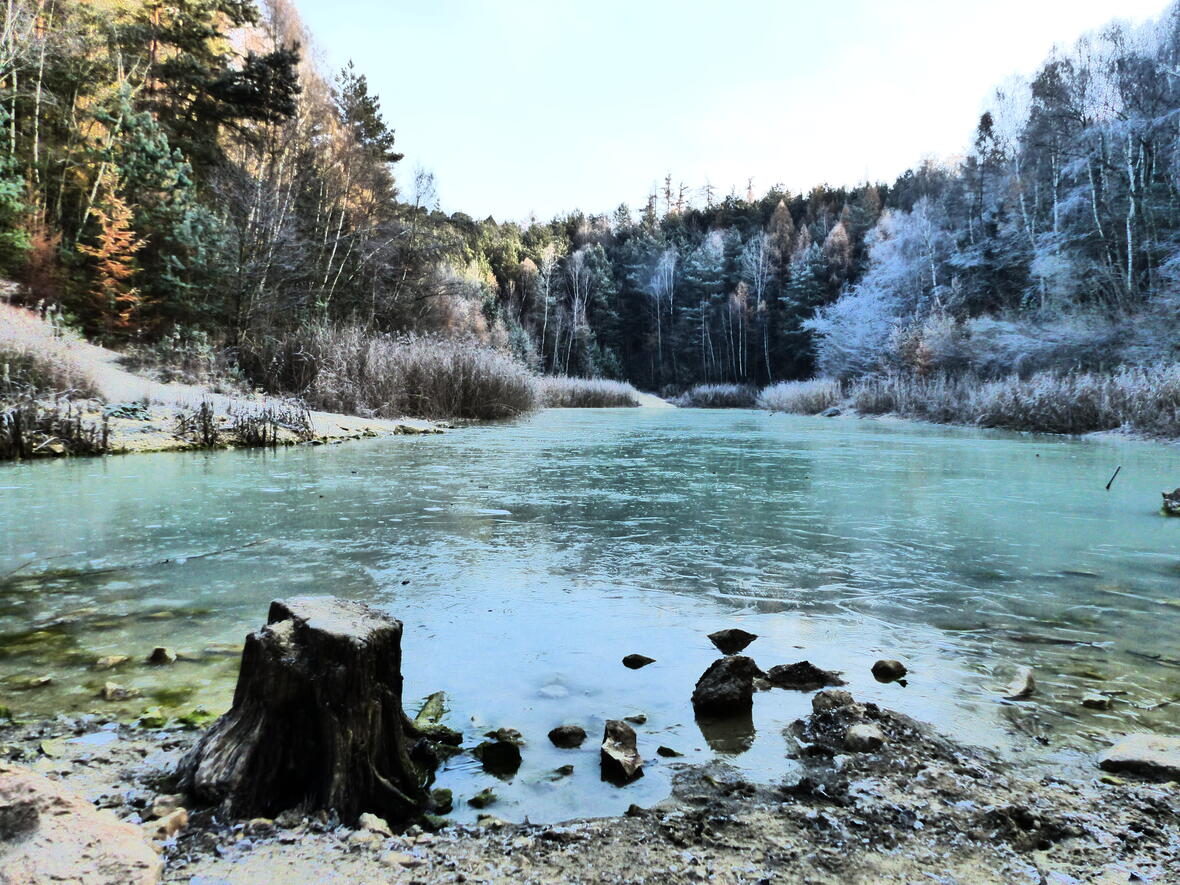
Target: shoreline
[920, 804]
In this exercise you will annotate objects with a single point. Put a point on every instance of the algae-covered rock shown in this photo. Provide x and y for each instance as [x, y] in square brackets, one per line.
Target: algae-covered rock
[153, 717]
[483, 798]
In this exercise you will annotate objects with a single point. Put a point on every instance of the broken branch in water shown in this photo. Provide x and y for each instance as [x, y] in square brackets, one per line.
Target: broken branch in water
[1117, 471]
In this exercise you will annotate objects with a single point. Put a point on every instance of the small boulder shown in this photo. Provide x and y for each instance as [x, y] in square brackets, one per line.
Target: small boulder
[667, 752]
[637, 719]
[863, 738]
[483, 798]
[568, 737]
[635, 662]
[732, 640]
[109, 662]
[166, 803]
[443, 799]
[374, 824]
[832, 412]
[826, 701]
[726, 688]
[889, 671]
[1095, 701]
[621, 761]
[507, 735]
[167, 827]
[1022, 686]
[112, 691]
[803, 676]
[498, 757]
[161, 656]
[1151, 755]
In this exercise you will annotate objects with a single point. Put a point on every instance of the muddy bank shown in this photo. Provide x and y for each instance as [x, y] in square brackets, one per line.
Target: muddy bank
[913, 808]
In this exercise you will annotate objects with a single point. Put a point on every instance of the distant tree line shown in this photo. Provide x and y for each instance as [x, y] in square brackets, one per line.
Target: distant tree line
[183, 165]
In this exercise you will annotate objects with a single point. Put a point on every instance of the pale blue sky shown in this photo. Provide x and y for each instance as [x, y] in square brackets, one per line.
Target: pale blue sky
[526, 105]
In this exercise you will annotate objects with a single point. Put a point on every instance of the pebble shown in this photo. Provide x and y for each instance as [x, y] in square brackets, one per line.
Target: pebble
[863, 738]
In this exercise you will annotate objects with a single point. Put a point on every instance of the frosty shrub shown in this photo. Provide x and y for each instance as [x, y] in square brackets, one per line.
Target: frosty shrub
[1141, 400]
[718, 396]
[801, 397]
[586, 393]
[37, 357]
[344, 369]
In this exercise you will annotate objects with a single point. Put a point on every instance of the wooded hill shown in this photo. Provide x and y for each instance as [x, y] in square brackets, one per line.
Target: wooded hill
[183, 169]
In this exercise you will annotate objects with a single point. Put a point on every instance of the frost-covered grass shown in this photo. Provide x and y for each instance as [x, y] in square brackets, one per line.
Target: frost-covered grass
[801, 397]
[718, 396]
[345, 369]
[1141, 400]
[36, 358]
[560, 392]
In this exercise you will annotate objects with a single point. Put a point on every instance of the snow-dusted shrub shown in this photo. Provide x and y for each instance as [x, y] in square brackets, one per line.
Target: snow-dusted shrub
[801, 397]
[718, 396]
[586, 393]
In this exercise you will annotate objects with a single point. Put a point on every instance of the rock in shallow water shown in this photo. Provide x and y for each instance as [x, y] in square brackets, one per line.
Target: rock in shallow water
[889, 671]
[1152, 755]
[498, 757]
[621, 761]
[1023, 685]
[568, 737]
[803, 676]
[635, 662]
[732, 640]
[726, 688]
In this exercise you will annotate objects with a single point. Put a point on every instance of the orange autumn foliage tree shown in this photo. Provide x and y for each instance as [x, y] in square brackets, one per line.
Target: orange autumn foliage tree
[113, 252]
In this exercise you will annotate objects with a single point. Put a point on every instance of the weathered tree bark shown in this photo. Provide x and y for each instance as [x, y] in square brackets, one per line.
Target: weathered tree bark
[317, 720]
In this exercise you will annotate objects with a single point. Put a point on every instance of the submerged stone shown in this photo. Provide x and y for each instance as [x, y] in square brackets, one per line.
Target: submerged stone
[1095, 701]
[1022, 686]
[112, 691]
[110, 662]
[161, 656]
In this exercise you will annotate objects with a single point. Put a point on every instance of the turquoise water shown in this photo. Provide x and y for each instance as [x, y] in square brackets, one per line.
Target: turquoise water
[527, 559]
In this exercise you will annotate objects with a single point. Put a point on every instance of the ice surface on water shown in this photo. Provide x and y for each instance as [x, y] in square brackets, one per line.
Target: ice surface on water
[527, 559]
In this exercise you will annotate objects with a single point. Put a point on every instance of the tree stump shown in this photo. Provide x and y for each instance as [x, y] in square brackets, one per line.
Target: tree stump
[317, 720]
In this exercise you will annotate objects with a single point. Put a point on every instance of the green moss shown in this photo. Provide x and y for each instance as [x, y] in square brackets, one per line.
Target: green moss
[172, 695]
[153, 717]
[197, 717]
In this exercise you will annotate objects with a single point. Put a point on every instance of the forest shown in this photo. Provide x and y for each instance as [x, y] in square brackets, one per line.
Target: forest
[184, 173]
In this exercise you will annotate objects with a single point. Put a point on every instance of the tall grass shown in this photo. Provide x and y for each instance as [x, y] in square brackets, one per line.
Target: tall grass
[344, 369]
[1141, 400]
[586, 393]
[35, 357]
[718, 396]
[801, 397]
